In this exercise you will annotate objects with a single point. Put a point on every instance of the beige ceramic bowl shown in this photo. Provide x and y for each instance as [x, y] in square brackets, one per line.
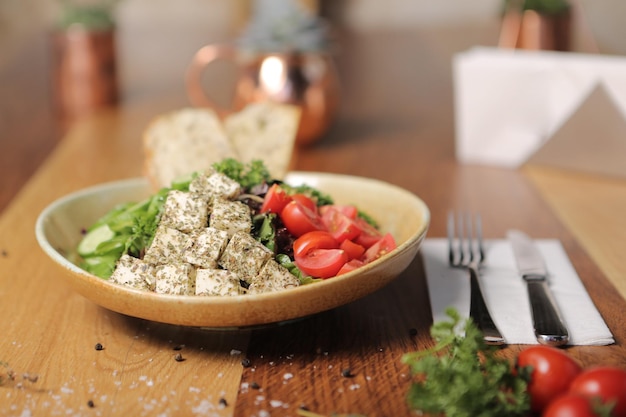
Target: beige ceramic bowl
[59, 226]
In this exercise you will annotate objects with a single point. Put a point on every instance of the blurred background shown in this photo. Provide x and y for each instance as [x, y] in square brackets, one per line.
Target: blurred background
[22, 23]
[156, 40]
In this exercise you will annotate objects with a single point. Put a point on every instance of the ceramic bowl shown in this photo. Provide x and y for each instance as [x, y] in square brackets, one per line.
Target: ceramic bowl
[59, 227]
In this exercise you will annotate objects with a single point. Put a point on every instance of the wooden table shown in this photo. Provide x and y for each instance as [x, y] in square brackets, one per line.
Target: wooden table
[396, 124]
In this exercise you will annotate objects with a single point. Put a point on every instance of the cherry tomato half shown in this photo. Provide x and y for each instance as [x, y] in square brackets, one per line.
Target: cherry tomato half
[369, 234]
[569, 405]
[552, 372]
[339, 224]
[348, 210]
[353, 250]
[606, 383]
[322, 263]
[275, 199]
[350, 266]
[382, 247]
[317, 239]
[305, 200]
[299, 219]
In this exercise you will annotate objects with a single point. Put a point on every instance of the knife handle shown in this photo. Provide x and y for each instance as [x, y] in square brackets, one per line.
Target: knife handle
[549, 327]
[480, 313]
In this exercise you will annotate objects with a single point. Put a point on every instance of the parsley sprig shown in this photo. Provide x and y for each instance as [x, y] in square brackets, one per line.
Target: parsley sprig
[461, 376]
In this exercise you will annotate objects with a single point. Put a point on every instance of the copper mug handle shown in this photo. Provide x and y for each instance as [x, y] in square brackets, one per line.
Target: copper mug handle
[201, 59]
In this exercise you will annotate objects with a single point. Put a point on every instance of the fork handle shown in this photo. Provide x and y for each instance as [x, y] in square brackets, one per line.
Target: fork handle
[480, 313]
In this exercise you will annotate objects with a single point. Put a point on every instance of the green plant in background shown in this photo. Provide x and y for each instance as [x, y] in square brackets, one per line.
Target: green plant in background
[284, 26]
[95, 15]
[550, 7]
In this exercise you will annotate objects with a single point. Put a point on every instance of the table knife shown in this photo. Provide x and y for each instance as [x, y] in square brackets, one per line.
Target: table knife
[547, 320]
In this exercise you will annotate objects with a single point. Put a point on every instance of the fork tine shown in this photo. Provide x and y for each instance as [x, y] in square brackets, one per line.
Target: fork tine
[461, 237]
[470, 238]
[479, 238]
[450, 226]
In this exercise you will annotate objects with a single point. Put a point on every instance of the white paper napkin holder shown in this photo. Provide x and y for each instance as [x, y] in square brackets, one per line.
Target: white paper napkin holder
[559, 109]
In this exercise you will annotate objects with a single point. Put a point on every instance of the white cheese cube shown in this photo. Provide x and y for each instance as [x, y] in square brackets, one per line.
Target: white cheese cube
[166, 247]
[230, 216]
[175, 278]
[133, 272]
[184, 211]
[217, 282]
[215, 184]
[204, 247]
[245, 256]
[272, 277]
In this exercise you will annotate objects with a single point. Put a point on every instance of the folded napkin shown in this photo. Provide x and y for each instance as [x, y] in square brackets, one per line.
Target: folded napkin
[505, 291]
[510, 103]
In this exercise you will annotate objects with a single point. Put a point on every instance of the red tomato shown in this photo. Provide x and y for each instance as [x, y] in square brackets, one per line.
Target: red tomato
[275, 199]
[348, 210]
[317, 239]
[369, 234]
[305, 200]
[321, 263]
[353, 250]
[606, 383]
[569, 405]
[298, 219]
[552, 372]
[340, 225]
[350, 266]
[382, 247]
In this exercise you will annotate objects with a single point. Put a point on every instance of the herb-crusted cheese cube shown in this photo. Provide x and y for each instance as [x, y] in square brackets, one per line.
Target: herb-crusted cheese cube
[272, 277]
[175, 278]
[245, 256]
[215, 184]
[217, 282]
[166, 247]
[133, 272]
[184, 211]
[230, 216]
[204, 247]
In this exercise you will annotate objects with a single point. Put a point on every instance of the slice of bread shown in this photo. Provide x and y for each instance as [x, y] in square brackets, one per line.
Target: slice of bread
[182, 142]
[265, 131]
[188, 140]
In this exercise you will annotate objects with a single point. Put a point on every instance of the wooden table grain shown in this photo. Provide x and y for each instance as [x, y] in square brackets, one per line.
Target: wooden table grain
[71, 357]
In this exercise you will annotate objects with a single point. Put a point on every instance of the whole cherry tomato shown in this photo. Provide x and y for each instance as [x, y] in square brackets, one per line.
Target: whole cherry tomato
[569, 405]
[552, 372]
[606, 383]
[322, 263]
[299, 219]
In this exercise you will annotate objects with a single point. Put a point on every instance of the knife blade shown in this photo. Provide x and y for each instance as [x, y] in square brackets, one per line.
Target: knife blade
[547, 320]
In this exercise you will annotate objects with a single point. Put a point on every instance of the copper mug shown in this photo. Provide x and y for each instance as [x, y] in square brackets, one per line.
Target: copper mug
[307, 80]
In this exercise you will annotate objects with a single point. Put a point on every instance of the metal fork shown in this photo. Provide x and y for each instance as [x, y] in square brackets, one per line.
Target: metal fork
[466, 251]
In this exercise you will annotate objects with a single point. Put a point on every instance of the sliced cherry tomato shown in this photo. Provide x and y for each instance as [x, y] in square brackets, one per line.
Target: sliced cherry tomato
[552, 370]
[353, 250]
[606, 383]
[369, 234]
[384, 245]
[305, 200]
[298, 219]
[275, 199]
[569, 405]
[340, 225]
[348, 210]
[322, 263]
[350, 266]
[317, 239]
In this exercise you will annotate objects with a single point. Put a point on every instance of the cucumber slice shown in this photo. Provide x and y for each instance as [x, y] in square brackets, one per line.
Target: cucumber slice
[93, 238]
[100, 266]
